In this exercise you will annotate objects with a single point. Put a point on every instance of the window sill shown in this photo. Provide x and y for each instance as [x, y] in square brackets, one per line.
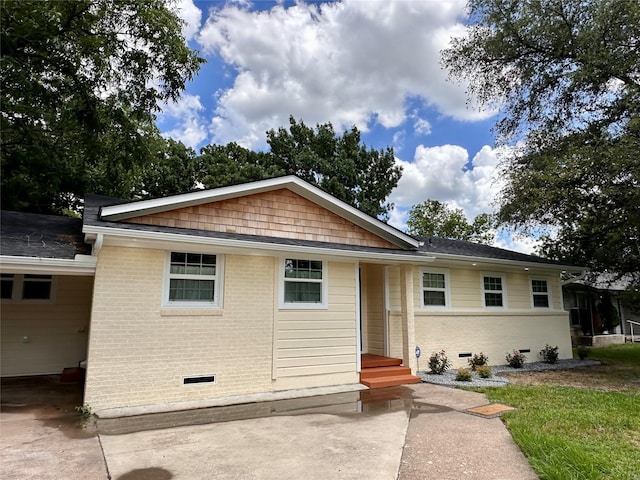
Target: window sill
[190, 312]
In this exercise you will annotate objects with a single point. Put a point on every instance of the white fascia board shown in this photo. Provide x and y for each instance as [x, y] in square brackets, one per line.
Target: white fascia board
[516, 264]
[302, 188]
[81, 265]
[146, 239]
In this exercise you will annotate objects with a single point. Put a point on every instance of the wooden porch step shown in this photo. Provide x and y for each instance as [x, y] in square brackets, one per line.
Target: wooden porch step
[371, 361]
[390, 381]
[393, 371]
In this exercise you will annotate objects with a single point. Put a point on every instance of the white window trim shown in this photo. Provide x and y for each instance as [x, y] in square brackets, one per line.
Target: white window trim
[218, 293]
[16, 294]
[503, 291]
[447, 288]
[532, 293]
[324, 289]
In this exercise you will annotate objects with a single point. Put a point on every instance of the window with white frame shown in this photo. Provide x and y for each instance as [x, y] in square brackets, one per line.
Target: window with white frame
[435, 288]
[31, 288]
[540, 292]
[304, 283]
[193, 279]
[493, 290]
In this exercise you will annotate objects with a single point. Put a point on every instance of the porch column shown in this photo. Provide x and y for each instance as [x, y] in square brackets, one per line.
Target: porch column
[408, 317]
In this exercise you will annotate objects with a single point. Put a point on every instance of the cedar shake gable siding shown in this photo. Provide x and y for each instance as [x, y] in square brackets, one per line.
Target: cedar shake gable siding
[280, 213]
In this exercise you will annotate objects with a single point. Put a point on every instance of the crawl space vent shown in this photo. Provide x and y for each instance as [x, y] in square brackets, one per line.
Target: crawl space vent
[198, 379]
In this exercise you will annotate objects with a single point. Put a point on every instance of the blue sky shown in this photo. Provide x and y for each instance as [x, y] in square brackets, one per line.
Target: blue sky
[370, 63]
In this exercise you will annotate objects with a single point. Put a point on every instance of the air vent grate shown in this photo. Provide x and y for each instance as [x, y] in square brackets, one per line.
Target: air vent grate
[198, 379]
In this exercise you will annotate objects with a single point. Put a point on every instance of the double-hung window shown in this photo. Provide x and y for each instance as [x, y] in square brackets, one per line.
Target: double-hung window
[493, 290]
[193, 279]
[303, 283]
[435, 289]
[540, 292]
[27, 288]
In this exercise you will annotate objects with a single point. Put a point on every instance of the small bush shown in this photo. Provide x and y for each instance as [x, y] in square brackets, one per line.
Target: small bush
[515, 360]
[549, 354]
[478, 360]
[583, 352]
[464, 375]
[484, 371]
[439, 363]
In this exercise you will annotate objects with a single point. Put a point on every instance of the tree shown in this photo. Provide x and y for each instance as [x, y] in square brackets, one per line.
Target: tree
[231, 164]
[175, 169]
[80, 82]
[342, 166]
[432, 218]
[567, 76]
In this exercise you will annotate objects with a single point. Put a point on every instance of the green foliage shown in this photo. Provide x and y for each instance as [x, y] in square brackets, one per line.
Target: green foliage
[484, 371]
[583, 352]
[84, 410]
[464, 375]
[573, 433]
[515, 359]
[566, 77]
[478, 360]
[80, 83]
[432, 218]
[549, 354]
[439, 362]
[340, 165]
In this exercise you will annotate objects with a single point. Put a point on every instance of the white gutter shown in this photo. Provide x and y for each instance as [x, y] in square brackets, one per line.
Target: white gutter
[147, 239]
[512, 263]
[84, 265]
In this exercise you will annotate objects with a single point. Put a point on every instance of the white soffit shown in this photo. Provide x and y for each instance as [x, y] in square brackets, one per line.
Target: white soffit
[295, 184]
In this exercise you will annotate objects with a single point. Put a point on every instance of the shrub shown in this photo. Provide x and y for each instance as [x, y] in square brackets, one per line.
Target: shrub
[463, 375]
[515, 360]
[484, 371]
[549, 354]
[583, 352]
[439, 363]
[478, 360]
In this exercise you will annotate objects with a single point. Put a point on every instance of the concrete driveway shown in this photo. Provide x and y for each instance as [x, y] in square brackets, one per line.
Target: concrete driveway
[421, 432]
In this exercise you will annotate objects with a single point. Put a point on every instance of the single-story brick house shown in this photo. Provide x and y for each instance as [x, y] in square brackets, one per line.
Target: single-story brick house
[262, 287]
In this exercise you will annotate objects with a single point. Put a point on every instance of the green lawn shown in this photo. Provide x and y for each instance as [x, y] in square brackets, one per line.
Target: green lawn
[572, 433]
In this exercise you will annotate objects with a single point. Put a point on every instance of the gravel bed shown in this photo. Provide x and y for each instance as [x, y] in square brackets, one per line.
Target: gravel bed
[449, 378]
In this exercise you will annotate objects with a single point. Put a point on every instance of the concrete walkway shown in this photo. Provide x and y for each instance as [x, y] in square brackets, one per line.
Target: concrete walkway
[423, 434]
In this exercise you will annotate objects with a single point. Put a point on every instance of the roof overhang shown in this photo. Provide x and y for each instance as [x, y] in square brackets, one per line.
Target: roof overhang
[511, 264]
[306, 190]
[110, 236]
[81, 265]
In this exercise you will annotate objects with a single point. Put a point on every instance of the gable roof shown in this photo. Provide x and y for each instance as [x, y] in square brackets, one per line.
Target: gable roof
[123, 211]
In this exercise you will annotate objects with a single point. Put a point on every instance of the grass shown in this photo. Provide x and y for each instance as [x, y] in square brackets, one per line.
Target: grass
[578, 433]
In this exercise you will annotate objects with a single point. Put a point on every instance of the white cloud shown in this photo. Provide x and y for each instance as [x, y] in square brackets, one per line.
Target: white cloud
[349, 62]
[444, 173]
[422, 127]
[192, 16]
[189, 125]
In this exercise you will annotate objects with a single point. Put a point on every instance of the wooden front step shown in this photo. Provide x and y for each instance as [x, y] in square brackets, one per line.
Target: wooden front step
[390, 381]
[380, 372]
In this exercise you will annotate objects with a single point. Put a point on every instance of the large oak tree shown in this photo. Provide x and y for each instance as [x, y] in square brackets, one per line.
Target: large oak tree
[80, 82]
[566, 76]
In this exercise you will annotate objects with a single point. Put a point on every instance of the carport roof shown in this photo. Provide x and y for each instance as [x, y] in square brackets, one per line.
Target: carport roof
[43, 236]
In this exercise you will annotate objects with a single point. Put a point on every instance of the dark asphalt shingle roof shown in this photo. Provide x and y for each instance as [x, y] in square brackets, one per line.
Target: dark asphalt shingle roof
[35, 235]
[432, 246]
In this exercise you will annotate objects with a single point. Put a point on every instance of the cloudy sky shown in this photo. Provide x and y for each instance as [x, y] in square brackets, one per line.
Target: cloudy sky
[374, 64]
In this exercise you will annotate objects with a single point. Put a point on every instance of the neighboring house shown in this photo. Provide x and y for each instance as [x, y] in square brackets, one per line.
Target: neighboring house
[263, 287]
[599, 306]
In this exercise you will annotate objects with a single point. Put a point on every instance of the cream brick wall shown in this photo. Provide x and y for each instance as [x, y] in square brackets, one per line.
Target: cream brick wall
[57, 331]
[492, 334]
[139, 353]
[469, 328]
